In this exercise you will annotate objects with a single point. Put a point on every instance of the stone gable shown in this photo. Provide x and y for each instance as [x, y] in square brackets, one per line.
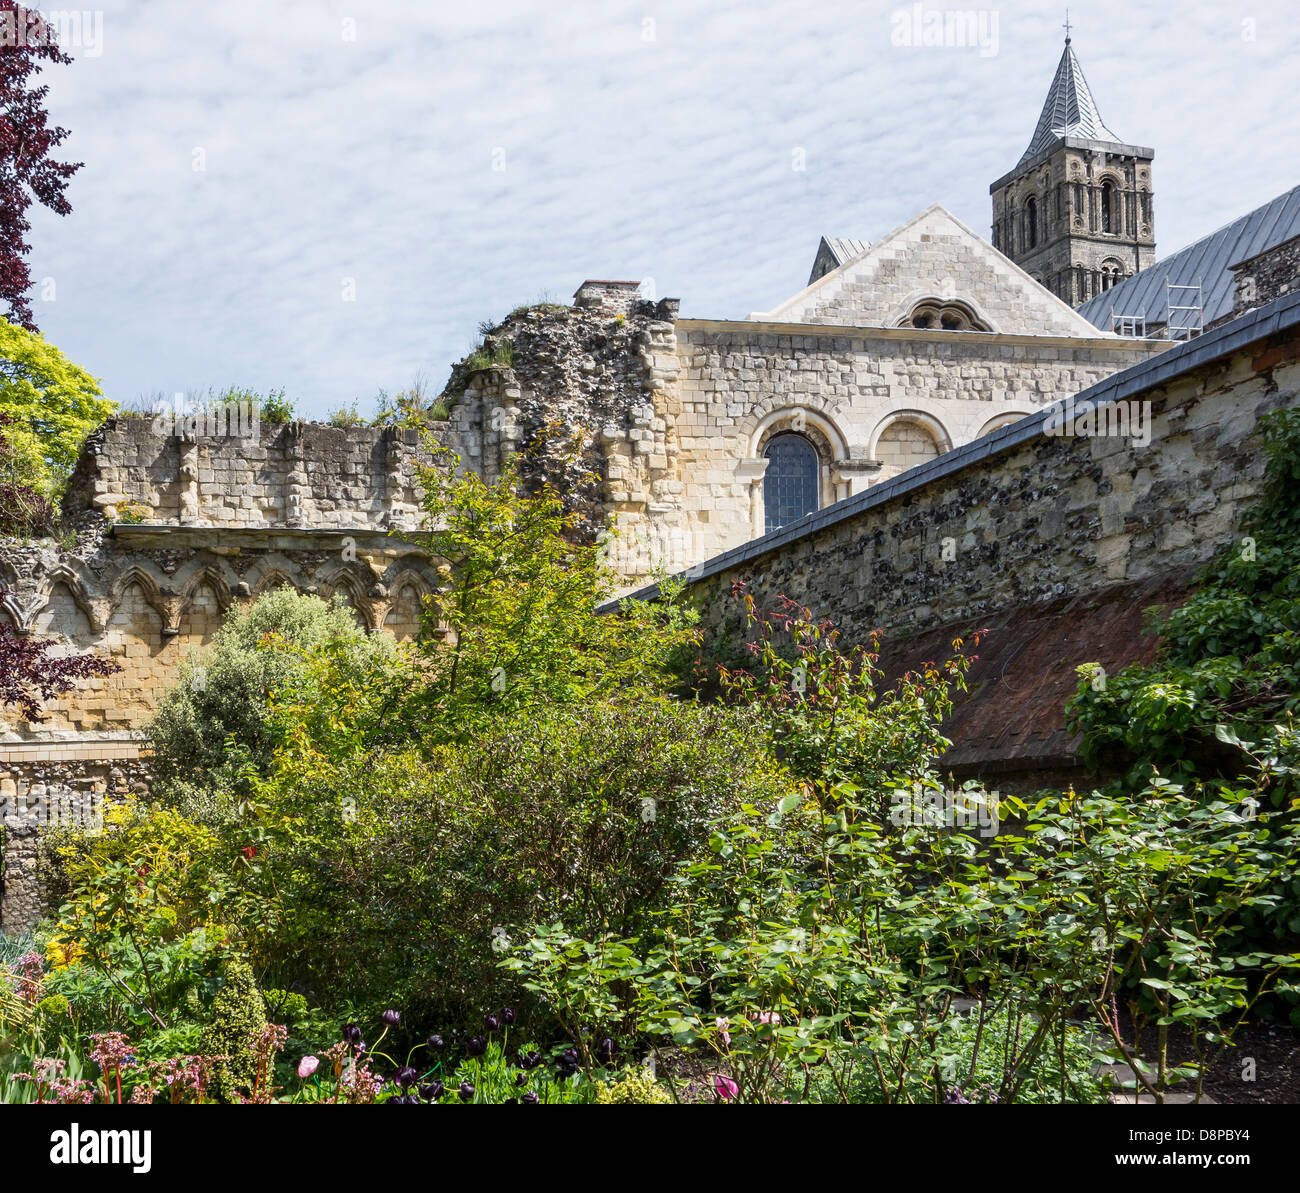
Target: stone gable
[932, 256]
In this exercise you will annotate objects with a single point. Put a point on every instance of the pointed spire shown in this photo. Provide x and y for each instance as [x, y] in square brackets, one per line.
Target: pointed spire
[1069, 110]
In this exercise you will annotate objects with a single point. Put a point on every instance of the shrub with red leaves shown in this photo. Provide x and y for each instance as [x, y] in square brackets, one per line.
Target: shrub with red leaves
[30, 675]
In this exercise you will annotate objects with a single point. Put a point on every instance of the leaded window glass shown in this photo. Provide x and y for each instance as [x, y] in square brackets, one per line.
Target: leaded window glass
[791, 484]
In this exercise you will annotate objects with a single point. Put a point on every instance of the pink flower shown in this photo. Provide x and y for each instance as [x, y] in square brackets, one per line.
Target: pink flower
[307, 1066]
[722, 1025]
[725, 1086]
[771, 1018]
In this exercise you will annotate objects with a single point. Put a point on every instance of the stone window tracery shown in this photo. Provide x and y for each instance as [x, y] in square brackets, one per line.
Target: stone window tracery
[936, 314]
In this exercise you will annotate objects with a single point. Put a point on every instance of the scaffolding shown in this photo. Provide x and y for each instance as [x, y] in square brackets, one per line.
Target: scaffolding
[1128, 325]
[1186, 318]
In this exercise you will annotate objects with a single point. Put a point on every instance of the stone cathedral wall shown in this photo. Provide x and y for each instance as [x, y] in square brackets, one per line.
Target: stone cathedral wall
[671, 416]
[1054, 543]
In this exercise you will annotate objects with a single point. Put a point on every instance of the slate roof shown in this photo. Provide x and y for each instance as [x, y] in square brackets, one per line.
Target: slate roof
[845, 248]
[1206, 262]
[1068, 111]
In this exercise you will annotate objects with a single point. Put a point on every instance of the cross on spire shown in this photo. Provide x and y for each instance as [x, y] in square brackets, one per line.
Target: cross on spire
[1067, 26]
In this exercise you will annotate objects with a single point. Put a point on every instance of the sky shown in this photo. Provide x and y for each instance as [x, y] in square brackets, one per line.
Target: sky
[328, 197]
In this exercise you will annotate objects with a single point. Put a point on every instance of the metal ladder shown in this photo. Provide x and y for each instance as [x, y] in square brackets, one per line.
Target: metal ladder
[1186, 320]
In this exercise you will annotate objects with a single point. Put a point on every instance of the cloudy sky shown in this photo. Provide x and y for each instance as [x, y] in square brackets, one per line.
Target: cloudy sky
[329, 196]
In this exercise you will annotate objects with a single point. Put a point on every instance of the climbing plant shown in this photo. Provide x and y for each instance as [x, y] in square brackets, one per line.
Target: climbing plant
[1219, 701]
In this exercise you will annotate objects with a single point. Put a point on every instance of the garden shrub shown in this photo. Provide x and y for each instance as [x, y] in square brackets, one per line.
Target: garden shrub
[812, 940]
[636, 1089]
[826, 931]
[214, 724]
[391, 876]
[148, 874]
[238, 1019]
[520, 612]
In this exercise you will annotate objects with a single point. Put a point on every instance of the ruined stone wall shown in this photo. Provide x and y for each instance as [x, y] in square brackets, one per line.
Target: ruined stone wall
[147, 596]
[660, 424]
[39, 792]
[589, 397]
[217, 519]
[250, 474]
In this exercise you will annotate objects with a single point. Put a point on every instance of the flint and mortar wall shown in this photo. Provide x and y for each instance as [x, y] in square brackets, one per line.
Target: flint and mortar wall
[36, 793]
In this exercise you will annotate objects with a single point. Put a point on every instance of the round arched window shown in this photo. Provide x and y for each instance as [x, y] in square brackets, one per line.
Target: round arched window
[792, 483]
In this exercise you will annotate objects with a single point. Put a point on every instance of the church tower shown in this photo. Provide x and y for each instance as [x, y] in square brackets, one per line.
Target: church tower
[1076, 212]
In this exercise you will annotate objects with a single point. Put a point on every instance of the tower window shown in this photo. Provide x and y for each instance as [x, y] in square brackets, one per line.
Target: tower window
[792, 483]
[1031, 222]
[1108, 220]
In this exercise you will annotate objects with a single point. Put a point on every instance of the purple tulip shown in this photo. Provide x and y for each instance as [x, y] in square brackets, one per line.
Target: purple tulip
[435, 1042]
[567, 1064]
[466, 1091]
[530, 1099]
[491, 1022]
[392, 1018]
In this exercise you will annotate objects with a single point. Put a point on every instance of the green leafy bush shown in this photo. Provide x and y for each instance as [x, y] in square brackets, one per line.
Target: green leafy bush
[214, 724]
[54, 405]
[391, 875]
[519, 613]
[238, 1019]
[823, 941]
[636, 1089]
